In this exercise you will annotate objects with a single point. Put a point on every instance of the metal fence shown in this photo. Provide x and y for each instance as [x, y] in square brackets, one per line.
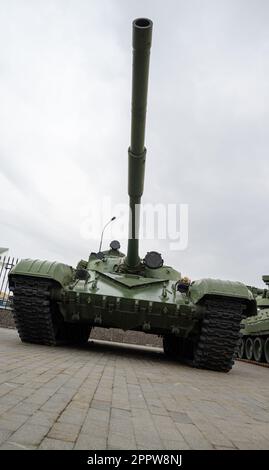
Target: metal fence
[6, 263]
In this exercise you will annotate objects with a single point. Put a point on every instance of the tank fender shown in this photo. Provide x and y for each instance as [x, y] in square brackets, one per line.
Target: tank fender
[216, 287]
[59, 272]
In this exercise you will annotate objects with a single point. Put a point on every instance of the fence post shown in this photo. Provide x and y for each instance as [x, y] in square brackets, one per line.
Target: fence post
[5, 266]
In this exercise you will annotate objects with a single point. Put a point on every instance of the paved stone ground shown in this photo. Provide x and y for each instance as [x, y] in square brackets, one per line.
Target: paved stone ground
[115, 396]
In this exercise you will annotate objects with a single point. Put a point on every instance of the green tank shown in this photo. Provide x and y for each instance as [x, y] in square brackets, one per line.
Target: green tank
[254, 344]
[199, 321]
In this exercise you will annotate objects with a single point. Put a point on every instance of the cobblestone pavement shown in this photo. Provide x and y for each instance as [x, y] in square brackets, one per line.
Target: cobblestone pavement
[116, 396]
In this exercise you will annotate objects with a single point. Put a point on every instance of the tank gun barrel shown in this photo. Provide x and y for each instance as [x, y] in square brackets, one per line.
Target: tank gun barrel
[142, 33]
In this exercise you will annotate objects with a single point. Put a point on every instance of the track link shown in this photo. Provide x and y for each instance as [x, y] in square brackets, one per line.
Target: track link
[220, 334]
[32, 310]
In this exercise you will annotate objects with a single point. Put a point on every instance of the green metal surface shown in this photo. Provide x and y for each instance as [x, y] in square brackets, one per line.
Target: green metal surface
[258, 325]
[142, 33]
[203, 287]
[58, 272]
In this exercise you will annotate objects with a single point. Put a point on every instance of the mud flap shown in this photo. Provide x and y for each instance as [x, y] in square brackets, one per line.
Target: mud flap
[205, 288]
[51, 270]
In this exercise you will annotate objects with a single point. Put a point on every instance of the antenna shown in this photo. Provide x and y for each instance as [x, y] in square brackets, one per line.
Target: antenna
[101, 241]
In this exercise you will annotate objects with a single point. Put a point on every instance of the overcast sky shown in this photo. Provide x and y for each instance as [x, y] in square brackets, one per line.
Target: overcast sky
[65, 88]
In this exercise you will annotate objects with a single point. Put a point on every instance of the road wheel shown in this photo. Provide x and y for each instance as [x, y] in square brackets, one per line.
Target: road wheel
[171, 346]
[266, 350]
[258, 349]
[178, 348]
[241, 349]
[249, 348]
[78, 333]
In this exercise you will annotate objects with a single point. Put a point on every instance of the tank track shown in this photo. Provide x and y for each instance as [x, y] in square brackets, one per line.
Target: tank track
[220, 334]
[32, 310]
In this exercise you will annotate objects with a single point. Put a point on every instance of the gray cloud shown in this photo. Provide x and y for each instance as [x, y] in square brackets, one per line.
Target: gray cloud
[65, 73]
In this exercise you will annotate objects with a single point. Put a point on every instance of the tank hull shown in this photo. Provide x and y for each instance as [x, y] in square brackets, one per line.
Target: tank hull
[151, 303]
[254, 344]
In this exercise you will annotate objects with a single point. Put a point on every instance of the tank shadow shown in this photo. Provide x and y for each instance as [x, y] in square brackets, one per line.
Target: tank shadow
[124, 349]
